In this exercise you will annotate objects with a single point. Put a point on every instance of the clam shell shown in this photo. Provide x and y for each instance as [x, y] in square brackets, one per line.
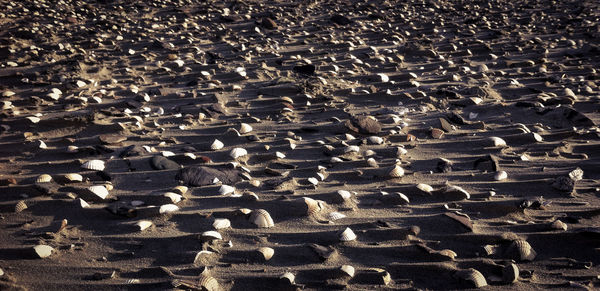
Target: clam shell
[216, 145]
[211, 235]
[266, 253]
[377, 276]
[425, 188]
[395, 198]
[333, 216]
[287, 278]
[458, 190]
[521, 250]
[180, 189]
[20, 206]
[314, 181]
[99, 190]
[226, 189]
[221, 223]
[558, 225]
[347, 235]
[96, 165]
[352, 149]
[43, 178]
[173, 197]
[238, 152]
[500, 175]
[261, 218]
[344, 194]
[307, 206]
[510, 273]
[395, 172]
[347, 270]
[43, 251]
[472, 277]
[73, 177]
[497, 142]
[245, 128]
[168, 208]
[143, 224]
[375, 140]
[371, 162]
[208, 283]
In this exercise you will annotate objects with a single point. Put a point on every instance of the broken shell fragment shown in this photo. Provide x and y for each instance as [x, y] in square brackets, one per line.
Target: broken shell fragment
[238, 152]
[143, 224]
[261, 218]
[226, 189]
[43, 251]
[333, 216]
[266, 253]
[99, 190]
[221, 223]
[347, 270]
[245, 128]
[347, 235]
[211, 235]
[95, 165]
[510, 273]
[216, 145]
[471, 277]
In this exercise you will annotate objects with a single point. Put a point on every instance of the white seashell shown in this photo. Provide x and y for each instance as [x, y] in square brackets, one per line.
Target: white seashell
[72, 149]
[425, 188]
[143, 224]
[576, 174]
[33, 119]
[174, 197]
[211, 235]
[216, 145]
[226, 189]
[20, 206]
[221, 223]
[99, 191]
[288, 278]
[96, 165]
[383, 77]
[261, 218]
[321, 176]
[43, 251]
[245, 128]
[344, 194]
[500, 175]
[42, 144]
[180, 189]
[167, 153]
[457, 189]
[347, 270]
[82, 203]
[238, 152]
[375, 139]
[190, 155]
[497, 142]
[8, 93]
[347, 235]
[74, 177]
[395, 172]
[280, 155]
[352, 149]
[335, 160]
[313, 181]
[266, 252]
[372, 163]
[401, 151]
[333, 216]
[168, 208]
[44, 178]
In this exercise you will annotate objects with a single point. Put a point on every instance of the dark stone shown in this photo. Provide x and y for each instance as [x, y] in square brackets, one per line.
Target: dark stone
[305, 69]
[340, 19]
[200, 176]
[162, 163]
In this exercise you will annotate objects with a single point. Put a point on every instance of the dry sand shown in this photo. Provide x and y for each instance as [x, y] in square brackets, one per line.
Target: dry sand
[332, 118]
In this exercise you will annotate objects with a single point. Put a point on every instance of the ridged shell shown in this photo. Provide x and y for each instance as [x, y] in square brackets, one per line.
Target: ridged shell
[308, 206]
[21, 205]
[448, 253]
[500, 175]
[99, 190]
[143, 224]
[521, 250]
[73, 177]
[226, 189]
[221, 223]
[510, 273]
[180, 189]
[472, 277]
[209, 283]
[95, 165]
[216, 145]
[576, 174]
[395, 172]
[458, 190]
[395, 198]
[261, 218]
[497, 142]
[266, 253]
[347, 270]
[347, 235]
[238, 152]
[211, 235]
[333, 216]
[43, 251]
[245, 128]
[168, 208]
[43, 178]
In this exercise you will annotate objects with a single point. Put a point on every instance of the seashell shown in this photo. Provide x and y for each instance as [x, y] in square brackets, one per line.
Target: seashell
[287, 278]
[221, 223]
[180, 189]
[520, 250]
[427, 189]
[226, 189]
[576, 174]
[381, 77]
[558, 225]
[448, 253]
[82, 203]
[243, 211]
[395, 198]
[376, 276]
[42, 144]
[33, 119]
[21, 205]
[287, 99]
[497, 142]
[173, 197]
[375, 140]
[347, 235]
[371, 162]
[211, 235]
[500, 175]
[401, 151]
[245, 128]
[43, 178]
[347, 270]
[451, 189]
[238, 152]
[261, 218]
[344, 194]
[307, 206]
[168, 208]
[395, 172]
[491, 249]
[96, 165]
[43, 251]
[72, 149]
[266, 253]
[73, 177]
[369, 153]
[352, 149]
[333, 216]
[472, 277]
[510, 273]
[216, 145]
[8, 93]
[208, 283]
[335, 160]
[99, 190]
[167, 153]
[313, 181]
[143, 224]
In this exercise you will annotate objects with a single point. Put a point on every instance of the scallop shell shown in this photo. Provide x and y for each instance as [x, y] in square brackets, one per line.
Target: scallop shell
[333, 216]
[261, 218]
[73, 177]
[395, 172]
[497, 142]
[510, 273]
[245, 128]
[472, 277]
[375, 140]
[216, 145]
[211, 235]
[168, 208]
[266, 253]
[558, 225]
[99, 190]
[347, 235]
[347, 270]
[307, 206]
[21, 205]
[238, 152]
[96, 165]
[500, 175]
[345, 195]
[208, 283]
[143, 224]
[221, 223]
[180, 189]
[226, 189]
[43, 178]
[313, 181]
[521, 250]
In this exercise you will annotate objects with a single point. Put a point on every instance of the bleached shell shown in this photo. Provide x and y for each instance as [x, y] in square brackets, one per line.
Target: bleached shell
[216, 145]
[396, 198]
[425, 188]
[167, 153]
[559, 225]
[448, 253]
[99, 190]
[371, 162]
[8, 93]
[457, 189]
[245, 128]
[369, 153]
[174, 197]
[180, 189]
[333, 216]
[43, 178]
[576, 174]
[288, 278]
[33, 119]
[308, 206]
[344, 194]
[21, 205]
[226, 189]
[313, 181]
[167, 208]
[347, 235]
[383, 77]
[72, 177]
[375, 140]
[500, 175]
[261, 218]
[143, 224]
[266, 252]
[208, 283]
[43, 251]
[521, 250]
[395, 172]
[82, 203]
[211, 235]
[95, 165]
[221, 223]
[347, 270]
[497, 142]
[352, 149]
[471, 276]
[238, 152]
[335, 160]
[510, 273]
[72, 149]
